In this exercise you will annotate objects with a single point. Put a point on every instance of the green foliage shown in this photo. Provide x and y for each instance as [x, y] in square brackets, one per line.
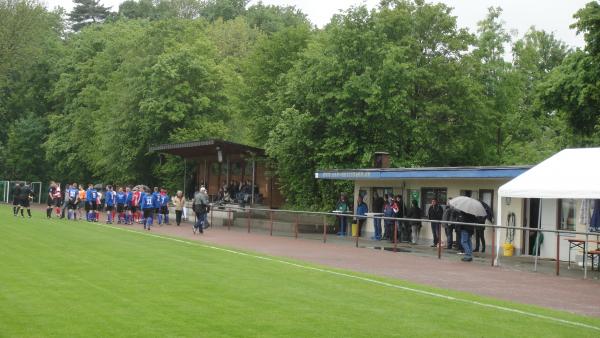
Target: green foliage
[401, 78]
[271, 19]
[87, 12]
[22, 155]
[223, 9]
[30, 46]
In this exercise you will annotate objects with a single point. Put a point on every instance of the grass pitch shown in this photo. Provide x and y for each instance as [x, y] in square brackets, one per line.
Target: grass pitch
[63, 279]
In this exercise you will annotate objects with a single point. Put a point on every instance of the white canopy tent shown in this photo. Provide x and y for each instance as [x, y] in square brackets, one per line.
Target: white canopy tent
[571, 173]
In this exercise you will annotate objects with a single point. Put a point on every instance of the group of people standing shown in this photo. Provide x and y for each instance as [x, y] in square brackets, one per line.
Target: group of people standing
[122, 204]
[408, 231]
[22, 196]
[393, 206]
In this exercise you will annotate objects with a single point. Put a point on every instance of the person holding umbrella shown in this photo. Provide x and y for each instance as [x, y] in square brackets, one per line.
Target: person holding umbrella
[470, 209]
[466, 232]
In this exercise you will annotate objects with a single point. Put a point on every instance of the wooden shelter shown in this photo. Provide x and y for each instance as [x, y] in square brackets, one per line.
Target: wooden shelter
[215, 163]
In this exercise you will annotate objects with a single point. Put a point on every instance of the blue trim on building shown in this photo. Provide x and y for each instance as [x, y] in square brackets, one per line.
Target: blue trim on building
[423, 173]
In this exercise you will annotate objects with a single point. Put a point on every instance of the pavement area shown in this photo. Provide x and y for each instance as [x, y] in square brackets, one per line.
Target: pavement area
[513, 281]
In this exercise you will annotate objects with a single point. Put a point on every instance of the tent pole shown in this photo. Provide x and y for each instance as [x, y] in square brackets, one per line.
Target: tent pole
[498, 231]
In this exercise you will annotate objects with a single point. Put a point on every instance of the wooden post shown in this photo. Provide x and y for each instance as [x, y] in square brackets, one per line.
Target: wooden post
[557, 253]
[228, 219]
[439, 243]
[324, 229]
[296, 227]
[395, 236]
[585, 253]
[357, 227]
[249, 220]
[271, 217]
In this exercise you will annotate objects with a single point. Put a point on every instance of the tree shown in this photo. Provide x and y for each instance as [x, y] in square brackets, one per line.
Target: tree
[30, 48]
[533, 132]
[87, 12]
[392, 79]
[224, 9]
[271, 19]
[573, 88]
[22, 155]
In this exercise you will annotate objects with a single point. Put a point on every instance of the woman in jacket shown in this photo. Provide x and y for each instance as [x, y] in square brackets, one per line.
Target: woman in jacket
[415, 226]
[179, 202]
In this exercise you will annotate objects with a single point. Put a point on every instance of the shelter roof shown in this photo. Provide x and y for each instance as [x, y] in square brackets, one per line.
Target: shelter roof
[507, 172]
[571, 173]
[207, 148]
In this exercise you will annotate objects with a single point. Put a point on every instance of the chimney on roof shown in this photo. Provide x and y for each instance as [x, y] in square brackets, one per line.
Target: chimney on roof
[382, 160]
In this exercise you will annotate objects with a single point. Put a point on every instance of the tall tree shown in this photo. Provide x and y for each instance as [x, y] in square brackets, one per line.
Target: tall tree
[573, 88]
[224, 9]
[87, 12]
[30, 46]
[496, 74]
[390, 79]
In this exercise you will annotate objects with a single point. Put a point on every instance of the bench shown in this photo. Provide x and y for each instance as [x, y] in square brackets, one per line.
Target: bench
[593, 254]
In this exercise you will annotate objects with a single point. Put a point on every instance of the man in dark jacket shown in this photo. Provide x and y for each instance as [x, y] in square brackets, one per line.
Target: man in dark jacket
[378, 208]
[361, 209]
[25, 199]
[16, 199]
[435, 213]
[466, 231]
[415, 226]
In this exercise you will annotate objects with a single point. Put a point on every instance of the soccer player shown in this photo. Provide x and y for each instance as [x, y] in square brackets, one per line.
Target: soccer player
[56, 200]
[99, 204]
[156, 195]
[72, 198]
[81, 201]
[149, 204]
[121, 202]
[127, 205]
[109, 200]
[25, 199]
[16, 196]
[134, 204]
[164, 199]
[51, 193]
[92, 203]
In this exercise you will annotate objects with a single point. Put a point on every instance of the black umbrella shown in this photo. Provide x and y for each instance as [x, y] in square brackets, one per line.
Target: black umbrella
[488, 210]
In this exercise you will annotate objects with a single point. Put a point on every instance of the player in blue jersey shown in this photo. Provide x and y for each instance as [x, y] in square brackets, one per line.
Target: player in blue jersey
[128, 206]
[164, 199]
[156, 195]
[72, 196]
[121, 201]
[91, 198]
[109, 200]
[148, 204]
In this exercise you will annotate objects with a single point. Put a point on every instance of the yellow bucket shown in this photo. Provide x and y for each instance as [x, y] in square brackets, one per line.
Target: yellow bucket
[354, 229]
[509, 249]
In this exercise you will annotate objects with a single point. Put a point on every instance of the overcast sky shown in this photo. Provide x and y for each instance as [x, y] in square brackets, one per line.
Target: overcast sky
[550, 15]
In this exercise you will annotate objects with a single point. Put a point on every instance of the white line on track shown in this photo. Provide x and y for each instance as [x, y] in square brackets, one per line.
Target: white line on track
[365, 279]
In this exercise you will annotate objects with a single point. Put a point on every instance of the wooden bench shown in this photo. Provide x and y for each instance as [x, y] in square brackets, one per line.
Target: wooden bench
[593, 254]
[581, 244]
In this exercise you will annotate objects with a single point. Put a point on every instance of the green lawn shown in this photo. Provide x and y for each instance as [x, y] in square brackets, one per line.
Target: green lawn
[62, 279]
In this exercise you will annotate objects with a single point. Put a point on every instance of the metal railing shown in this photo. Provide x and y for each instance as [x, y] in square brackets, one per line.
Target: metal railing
[251, 214]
